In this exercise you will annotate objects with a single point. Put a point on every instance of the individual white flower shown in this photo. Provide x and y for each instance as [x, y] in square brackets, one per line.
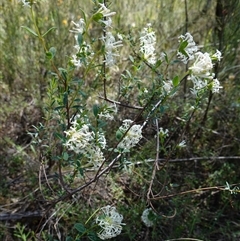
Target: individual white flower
[167, 86]
[147, 44]
[105, 11]
[95, 156]
[202, 66]
[198, 84]
[182, 144]
[146, 217]
[101, 140]
[79, 26]
[162, 132]
[215, 86]
[110, 221]
[111, 43]
[76, 61]
[25, 3]
[132, 137]
[110, 48]
[217, 56]
[187, 53]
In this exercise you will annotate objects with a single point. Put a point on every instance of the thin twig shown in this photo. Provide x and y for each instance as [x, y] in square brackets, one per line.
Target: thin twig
[121, 104]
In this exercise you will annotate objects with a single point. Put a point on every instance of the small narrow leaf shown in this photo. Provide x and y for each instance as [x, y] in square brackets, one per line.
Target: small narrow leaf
[175, 81]
[30, 31]
[96, 110]
[48, 31]
[80, 39]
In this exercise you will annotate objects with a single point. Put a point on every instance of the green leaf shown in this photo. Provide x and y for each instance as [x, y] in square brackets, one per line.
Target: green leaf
[48, 31]
[51, 53]
[80, 228]
[157, 64]
[59, 107]
[175, 81]
[30, 31]
[80, 39]
[93, 237]
[65, 156]
[182, 47]
[68, 238]
[119, 135]
[131, 58]
[65, 98]
[63, 73]
[95, 110]
[98, 16]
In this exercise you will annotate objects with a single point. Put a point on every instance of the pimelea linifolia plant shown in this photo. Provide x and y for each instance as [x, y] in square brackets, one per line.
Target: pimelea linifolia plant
[81, 132]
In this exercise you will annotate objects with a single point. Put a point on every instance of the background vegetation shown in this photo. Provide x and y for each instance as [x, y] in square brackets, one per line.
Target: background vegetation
[198, 207]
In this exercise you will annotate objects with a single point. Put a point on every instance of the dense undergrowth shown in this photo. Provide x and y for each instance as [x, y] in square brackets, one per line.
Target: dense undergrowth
[185, 166]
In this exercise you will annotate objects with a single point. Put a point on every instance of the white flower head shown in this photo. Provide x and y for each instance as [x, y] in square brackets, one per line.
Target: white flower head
[187, 48]
[76, 61]
[85, 51]
[111, 46]
[215, 86]
[79, 26]
[132, 137]
[78, 139]
[95, 156]
[110, 221]
[167, 86]
[198, 84]
[107, 14]
[182, 144]
[81, 140]
[217, 56]
[147, 44]
[163, 133]
[105, 11]
[202, 66]
[25, 3]
[148, 216]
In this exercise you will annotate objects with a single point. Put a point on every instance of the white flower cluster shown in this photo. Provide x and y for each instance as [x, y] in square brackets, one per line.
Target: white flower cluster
[110, 221]
[162, 132]
[145, 217]
[107, 113]
[201, 72]
[132, 137]
[147, 44]
[83, 51]
[189, 50]
[167, 86]
[110, 46]
[89, 144]
[25, 3]
[109, 40]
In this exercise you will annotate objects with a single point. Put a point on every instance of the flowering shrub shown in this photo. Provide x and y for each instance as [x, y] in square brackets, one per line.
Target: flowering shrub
[82, 132]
